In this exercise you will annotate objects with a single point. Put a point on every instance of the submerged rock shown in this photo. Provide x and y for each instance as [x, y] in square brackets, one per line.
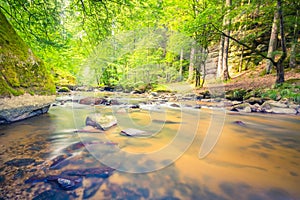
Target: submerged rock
[135, 133]
[67, 183]
[239, 123]
[59, 161]
[92, 190]
[19, 174]
[20, 162]
[2, 178]
[102, 122]
[88, 129]
[52, 194]
[101, 172]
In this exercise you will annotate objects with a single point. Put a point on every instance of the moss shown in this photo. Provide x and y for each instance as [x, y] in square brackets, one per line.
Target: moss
[160, 88]
[20, 69]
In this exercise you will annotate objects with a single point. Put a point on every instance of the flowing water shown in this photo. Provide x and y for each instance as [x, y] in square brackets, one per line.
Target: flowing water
[256, 156]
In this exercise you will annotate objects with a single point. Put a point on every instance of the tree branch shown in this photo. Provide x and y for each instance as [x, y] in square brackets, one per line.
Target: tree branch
[245, 45]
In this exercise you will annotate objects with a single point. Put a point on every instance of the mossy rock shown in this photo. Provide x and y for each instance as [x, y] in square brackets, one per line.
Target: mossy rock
[20, 70]
[63, 89]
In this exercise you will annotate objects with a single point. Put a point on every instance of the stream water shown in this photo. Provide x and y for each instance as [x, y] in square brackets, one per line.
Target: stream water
[257, 156]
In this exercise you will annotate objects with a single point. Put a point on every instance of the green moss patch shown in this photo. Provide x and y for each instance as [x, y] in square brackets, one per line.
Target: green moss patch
[21, 71]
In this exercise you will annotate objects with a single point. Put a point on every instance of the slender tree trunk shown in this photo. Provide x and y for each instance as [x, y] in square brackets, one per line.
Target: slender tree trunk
[220, 58]
[181, 63]
[192, 63]
[292, 63]
[279, 64]
[241, 60]
[203, 68]
[272, 43]
[226, 45]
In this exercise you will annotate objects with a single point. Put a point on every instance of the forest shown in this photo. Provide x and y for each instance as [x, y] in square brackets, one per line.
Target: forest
[137, 44]
[149, 99]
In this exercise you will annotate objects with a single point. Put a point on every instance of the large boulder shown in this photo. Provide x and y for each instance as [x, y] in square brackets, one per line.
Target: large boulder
[101, 122]
[22, 73]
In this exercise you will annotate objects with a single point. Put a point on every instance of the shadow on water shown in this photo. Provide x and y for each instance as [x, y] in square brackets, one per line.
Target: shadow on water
[42, 158]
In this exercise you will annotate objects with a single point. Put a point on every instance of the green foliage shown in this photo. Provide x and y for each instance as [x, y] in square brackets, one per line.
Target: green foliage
[289, 90]
[122, 43]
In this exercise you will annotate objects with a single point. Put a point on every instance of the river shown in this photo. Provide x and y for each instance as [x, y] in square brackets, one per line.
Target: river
[193, 154]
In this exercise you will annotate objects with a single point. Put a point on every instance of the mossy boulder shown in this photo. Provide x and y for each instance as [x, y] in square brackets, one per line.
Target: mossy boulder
[20, 70]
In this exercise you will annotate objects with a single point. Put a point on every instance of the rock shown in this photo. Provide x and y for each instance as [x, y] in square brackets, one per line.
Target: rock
[19, 174]
[240, 123]
[34, 179]
[278, 104]
[2, 179]
[255, 100]
[155, 94]
[20, 162]
[100, 172]
[63, 89]
[135, 106]
[101, 122]
[135, 92]
[256, 108]
[58, 162]
[67, 183]
[279, 110]
[92, 190]
[135, 133]
[17, 114]
[277, 107]
[52, 194]
[89, 129]
[174, 105]
[197, 106]
[206, 100]
[92, 101]
[199, 97]
[113, 102]
[244, 107]
[64, 182]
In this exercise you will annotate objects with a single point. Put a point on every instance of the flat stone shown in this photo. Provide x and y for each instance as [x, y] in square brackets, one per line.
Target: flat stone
[135, 133]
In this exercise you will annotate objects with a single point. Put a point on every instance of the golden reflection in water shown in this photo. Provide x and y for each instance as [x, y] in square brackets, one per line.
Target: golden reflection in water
[257, 160]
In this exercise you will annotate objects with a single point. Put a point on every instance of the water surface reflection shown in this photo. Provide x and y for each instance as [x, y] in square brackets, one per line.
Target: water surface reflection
[256, 159]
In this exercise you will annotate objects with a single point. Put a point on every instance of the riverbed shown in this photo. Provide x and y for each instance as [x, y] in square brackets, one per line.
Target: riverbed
[190, 154]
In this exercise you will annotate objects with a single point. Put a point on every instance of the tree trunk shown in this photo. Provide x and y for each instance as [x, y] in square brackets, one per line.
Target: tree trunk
[226, 45]
[220, 58]
[241, 60]
[272, 43]
[181, 63]
[292, 63]
[192, 60]
[279, 64]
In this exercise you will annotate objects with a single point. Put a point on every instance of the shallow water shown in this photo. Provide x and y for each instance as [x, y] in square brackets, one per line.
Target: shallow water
[255, 157]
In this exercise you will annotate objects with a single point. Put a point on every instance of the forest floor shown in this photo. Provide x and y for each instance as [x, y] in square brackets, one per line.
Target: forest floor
[251, 79]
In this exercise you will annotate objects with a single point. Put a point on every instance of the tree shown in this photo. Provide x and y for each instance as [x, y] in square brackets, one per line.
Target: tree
[272, 43]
